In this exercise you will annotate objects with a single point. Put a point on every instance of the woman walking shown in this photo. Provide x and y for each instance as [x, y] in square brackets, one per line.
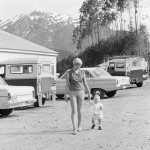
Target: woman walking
[75, 85]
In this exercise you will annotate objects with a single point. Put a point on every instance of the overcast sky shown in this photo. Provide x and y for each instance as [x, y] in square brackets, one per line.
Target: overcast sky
[11, 8]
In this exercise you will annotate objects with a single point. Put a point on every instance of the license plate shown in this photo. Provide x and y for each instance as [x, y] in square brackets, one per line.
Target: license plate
[22, 104]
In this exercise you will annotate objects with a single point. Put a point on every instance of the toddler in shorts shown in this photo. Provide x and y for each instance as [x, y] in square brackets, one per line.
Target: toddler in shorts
[97, 113]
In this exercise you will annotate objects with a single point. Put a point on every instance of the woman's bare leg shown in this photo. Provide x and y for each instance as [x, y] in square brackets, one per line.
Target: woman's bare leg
[73, 102]
[79, 109]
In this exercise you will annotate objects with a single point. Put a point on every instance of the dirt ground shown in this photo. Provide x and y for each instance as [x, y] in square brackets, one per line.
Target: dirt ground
[126, 125]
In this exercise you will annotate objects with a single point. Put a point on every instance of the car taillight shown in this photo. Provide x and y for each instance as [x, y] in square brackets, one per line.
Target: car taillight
[9, 96]
[33, 93]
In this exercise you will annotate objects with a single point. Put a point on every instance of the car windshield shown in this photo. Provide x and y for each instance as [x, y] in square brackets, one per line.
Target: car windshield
[100, 73]
[2, 82]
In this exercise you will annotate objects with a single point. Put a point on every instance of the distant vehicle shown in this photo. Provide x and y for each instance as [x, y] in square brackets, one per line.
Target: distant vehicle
[134, 67]
[14, 96]
[36, 72]
[98, 80]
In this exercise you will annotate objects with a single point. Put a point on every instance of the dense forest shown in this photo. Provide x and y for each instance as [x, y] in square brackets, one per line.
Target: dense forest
[130, 38]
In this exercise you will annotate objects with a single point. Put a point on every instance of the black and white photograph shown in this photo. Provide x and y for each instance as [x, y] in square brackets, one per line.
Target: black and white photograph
[74, 74]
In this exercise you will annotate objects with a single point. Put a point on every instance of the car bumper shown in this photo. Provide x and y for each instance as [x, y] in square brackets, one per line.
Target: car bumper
[121, 87]
[15, 104]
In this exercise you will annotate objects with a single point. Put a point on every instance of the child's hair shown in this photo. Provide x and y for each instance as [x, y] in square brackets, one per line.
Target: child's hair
[97, 97]
[97, 93]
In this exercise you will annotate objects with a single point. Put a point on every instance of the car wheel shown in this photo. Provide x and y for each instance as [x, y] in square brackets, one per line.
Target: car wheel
[60, 96]
[139, 84]
[6, 112]
[102, 92]
[43, 101]
[111, 93]
[36, 104]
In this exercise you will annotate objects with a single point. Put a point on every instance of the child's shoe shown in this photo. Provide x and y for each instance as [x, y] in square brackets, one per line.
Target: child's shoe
[93, 126]
[100, 128]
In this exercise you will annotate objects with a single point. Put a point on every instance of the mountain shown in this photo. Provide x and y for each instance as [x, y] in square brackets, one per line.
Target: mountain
[51, 30]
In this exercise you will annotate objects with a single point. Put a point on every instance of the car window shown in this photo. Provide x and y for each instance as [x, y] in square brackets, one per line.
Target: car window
[2, 82]
[111, 66]
[63, 76]
[101, 73]
[88, 74]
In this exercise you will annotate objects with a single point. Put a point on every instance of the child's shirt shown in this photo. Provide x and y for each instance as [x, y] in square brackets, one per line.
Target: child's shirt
[97, 108]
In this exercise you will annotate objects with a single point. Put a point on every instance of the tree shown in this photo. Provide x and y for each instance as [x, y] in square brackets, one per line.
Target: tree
[93, 15]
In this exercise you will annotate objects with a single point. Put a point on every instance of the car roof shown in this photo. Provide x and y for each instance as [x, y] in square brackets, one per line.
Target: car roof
[91, 68]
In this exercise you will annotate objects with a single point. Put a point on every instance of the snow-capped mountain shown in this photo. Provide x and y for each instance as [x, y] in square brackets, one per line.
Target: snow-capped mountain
[51, 30]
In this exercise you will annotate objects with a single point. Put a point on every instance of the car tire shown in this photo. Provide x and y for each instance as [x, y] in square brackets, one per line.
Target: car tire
[111, 93]
[102, 92]
[139, 84]
[6, 112]
[36, 104]
[60, 96]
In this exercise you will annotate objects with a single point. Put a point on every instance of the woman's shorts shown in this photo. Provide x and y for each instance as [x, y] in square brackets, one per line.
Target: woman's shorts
[79, 95]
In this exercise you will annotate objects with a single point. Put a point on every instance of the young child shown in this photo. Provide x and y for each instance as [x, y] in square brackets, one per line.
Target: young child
[97, 113]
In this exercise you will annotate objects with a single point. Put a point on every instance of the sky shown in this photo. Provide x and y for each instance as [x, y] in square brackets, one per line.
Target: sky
[11, 8]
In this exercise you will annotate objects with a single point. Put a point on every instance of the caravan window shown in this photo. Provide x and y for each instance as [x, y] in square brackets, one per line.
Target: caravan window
[46, 68]
[120, 65]
[136, 64]
[21, 69]
[52, 69]
[2, 71]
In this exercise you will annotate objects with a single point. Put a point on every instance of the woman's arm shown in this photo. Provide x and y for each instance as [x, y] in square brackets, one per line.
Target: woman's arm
[86, 86]
[67, 87]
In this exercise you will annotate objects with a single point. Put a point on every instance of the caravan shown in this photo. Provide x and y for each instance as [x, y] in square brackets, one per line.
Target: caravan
[135, 67]
[36, 72]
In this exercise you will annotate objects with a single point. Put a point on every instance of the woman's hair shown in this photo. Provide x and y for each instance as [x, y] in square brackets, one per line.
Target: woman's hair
[77, 61]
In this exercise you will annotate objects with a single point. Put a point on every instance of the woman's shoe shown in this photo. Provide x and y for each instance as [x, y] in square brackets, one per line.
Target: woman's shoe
[74, 132]
[79, 130]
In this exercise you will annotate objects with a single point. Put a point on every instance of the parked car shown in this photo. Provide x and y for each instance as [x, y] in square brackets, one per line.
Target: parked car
[14, 96]
[98, 80]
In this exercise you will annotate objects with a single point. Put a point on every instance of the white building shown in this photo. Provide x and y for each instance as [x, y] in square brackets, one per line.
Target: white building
[12, 46]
